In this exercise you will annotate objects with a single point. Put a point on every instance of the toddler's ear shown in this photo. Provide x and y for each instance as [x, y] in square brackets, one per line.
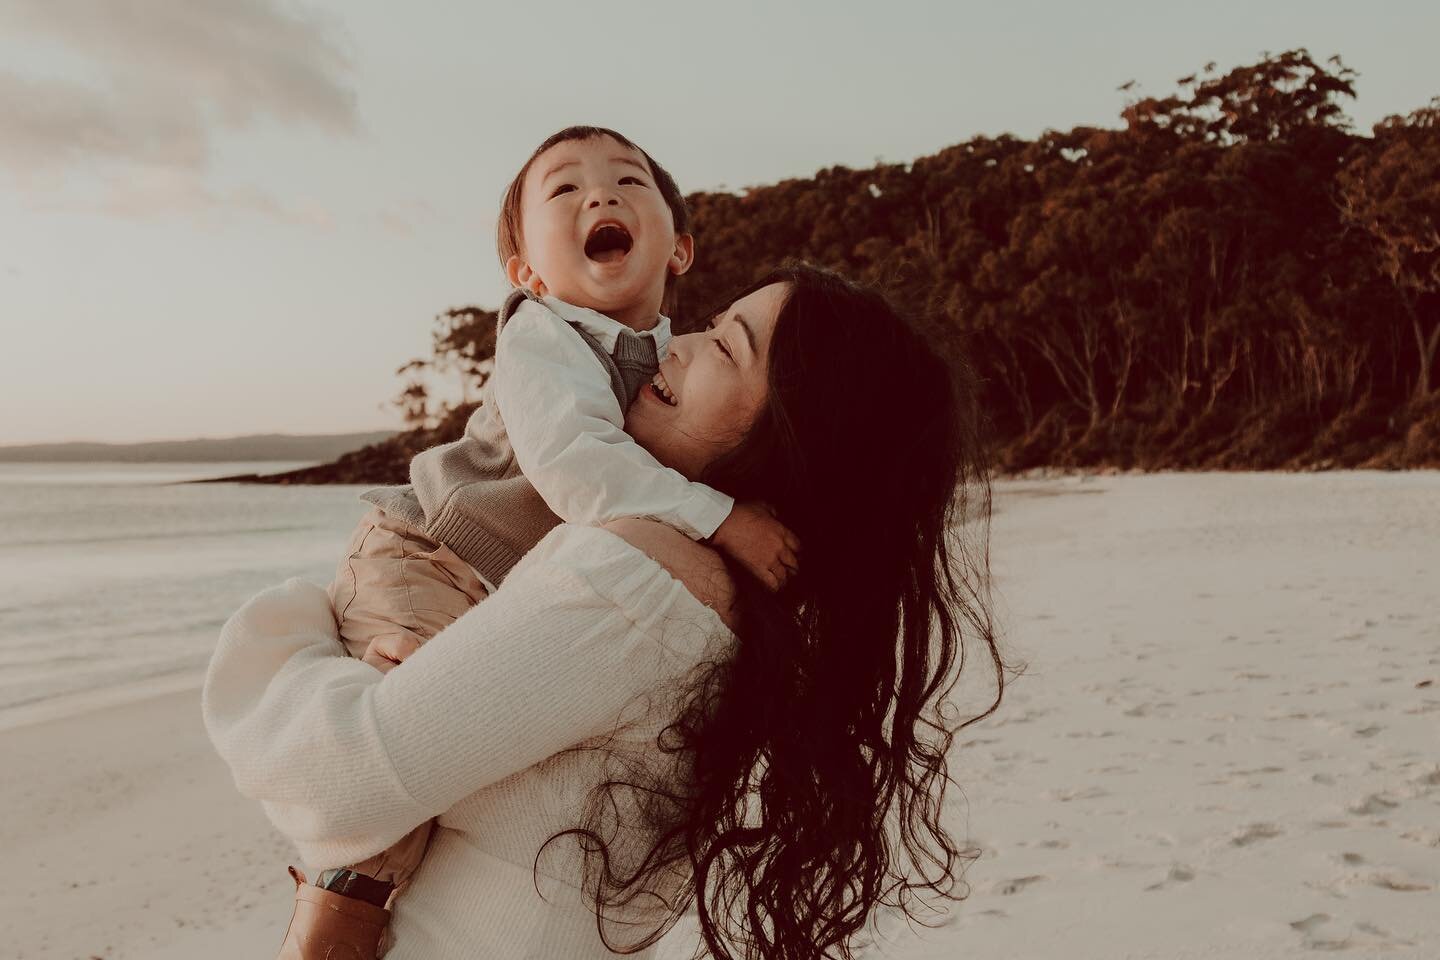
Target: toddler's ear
[684, 256]
[519, 274]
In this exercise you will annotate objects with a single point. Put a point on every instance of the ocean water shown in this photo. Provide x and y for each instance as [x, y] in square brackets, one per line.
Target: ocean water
[117, 574]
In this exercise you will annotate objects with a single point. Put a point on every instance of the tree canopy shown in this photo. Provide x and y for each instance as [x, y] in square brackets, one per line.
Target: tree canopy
[1233, 278]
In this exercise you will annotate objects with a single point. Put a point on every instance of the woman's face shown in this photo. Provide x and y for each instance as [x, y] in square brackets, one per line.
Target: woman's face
[718, 380]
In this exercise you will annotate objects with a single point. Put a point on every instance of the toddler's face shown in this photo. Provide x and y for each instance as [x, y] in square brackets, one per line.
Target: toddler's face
[595, 230]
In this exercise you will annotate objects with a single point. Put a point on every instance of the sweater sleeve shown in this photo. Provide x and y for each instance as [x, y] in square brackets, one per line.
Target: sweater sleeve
[346, 760]
[567, 431]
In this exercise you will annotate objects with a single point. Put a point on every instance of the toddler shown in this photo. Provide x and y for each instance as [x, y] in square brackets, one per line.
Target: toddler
[593, 234]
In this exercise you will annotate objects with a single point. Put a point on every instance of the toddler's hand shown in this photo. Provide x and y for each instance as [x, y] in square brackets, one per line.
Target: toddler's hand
[759, 542]
[387, 653]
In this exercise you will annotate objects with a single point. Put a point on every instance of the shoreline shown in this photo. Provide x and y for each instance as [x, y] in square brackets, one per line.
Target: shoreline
[81, 702]
[1028, 474]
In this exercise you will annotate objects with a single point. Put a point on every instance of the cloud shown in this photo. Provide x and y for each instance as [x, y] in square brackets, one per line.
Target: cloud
[153, 192]
[401, 219]
[394, 223]
[162, 78]
[60, 123]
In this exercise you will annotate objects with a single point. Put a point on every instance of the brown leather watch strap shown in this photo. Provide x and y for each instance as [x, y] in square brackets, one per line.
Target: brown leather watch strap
[357, 886]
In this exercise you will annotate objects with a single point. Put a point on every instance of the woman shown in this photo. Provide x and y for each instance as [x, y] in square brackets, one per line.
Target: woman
[627, 727]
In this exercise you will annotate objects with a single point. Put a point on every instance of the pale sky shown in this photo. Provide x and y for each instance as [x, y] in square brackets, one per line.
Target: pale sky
[221, 217]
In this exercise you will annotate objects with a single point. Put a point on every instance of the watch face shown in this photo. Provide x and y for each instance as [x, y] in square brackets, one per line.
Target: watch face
[339, 880]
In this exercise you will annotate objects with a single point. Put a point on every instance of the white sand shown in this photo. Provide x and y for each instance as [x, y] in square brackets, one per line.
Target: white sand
[1221, 749]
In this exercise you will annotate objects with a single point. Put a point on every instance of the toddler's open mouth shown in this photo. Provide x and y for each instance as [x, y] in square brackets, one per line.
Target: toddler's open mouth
[608, 242]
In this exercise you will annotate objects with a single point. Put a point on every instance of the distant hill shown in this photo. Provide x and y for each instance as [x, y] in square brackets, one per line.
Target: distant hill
[264, 446]
[1233, 279]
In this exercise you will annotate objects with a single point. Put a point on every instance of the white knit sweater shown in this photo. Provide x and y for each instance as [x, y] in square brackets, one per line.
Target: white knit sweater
[587, 636]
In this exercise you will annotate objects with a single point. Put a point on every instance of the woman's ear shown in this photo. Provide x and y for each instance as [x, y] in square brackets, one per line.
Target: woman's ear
[684, 256]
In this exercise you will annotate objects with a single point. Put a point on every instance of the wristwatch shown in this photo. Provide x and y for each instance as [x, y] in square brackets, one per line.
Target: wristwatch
[356, 886]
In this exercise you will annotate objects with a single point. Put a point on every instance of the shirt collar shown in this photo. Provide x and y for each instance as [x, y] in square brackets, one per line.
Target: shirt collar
[607, 330]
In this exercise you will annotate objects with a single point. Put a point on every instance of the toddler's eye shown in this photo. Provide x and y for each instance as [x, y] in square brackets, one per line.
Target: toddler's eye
[563, 188]
[635, 180]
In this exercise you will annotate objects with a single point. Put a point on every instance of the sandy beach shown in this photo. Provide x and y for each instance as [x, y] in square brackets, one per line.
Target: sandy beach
[1226, 744]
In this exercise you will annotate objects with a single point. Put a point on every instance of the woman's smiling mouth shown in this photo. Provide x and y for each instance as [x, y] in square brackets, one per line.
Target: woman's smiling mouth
[661, 389]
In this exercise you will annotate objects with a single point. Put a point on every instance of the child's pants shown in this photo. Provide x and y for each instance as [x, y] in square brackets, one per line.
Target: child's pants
[395, 580]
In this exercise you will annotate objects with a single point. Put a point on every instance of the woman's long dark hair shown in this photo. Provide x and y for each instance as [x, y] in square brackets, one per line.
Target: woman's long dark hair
[807, 769]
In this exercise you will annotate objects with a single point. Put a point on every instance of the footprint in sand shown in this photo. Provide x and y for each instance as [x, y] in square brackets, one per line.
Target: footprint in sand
[1370, 935]
[1310, 923]
[1430, 779]
[1254, 833]
[1179, 873]
[1148, 708]
[1009, 887]
[1029, 716]
[1082, 793]
[1399, 883]
[1373, 806]
[1427, 838]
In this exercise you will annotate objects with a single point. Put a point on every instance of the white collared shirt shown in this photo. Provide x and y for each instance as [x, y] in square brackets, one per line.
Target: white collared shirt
[568, 432]
[607, 329]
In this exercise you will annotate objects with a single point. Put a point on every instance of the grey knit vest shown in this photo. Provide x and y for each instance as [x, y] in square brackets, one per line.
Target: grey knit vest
[471, 496]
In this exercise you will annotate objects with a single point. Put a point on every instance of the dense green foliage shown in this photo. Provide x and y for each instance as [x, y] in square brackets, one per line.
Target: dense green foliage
[1232, 279]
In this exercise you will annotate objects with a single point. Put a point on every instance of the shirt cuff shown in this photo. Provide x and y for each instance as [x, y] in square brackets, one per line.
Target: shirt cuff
[703, 513]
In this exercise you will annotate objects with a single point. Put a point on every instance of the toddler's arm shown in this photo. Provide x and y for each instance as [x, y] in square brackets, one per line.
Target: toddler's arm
[759, 542]
[567, 431]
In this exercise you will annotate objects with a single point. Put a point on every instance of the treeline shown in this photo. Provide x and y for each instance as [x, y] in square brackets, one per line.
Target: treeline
[1232, 279]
